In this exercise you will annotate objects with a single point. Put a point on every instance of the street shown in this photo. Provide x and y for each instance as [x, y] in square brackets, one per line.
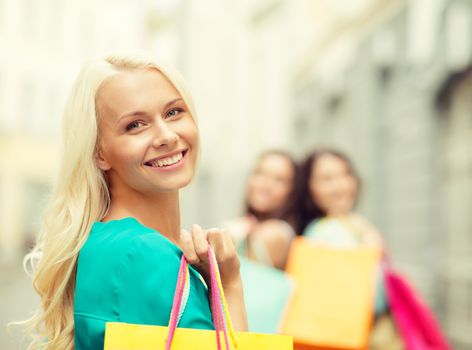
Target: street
[17, 302]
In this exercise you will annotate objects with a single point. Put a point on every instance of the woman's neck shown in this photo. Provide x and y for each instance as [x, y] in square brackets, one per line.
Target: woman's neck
[159, 211]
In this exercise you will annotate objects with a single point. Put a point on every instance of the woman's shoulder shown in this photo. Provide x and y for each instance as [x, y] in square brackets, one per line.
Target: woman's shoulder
[136, 268]
[310, 227]
[118, 228]
[120, 245]
[344, 231]
[369, 233]
[128, 228]
[278, 227]
[242, 223]
[332, 231]
[238, 228]
[113, 239]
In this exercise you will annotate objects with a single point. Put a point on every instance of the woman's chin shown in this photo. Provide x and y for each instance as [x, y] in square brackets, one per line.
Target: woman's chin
[338, 211]
[174, 185]
[263, 209]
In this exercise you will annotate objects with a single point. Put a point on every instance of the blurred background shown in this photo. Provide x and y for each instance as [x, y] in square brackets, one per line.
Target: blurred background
[389, 82]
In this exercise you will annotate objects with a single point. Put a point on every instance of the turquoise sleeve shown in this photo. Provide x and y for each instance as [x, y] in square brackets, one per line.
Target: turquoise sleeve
[310, 230]
[146, 282]
[127, 273]
[146, 286]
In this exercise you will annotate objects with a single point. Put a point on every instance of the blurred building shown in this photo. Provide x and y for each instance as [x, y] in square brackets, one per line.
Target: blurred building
[391, 85]
[235, 58]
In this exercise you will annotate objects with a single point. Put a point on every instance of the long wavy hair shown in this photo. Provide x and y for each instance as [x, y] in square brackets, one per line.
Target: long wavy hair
[309, 210]
[80, 197]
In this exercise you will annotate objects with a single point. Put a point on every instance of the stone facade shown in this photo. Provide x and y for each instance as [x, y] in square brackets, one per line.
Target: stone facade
[401, 109]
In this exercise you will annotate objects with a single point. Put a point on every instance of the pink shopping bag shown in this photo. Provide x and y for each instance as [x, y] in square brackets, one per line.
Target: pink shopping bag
[415, 322]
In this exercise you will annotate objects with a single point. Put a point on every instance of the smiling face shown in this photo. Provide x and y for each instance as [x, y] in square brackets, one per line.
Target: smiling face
[332, 185]
[148, 140]
[270, 184]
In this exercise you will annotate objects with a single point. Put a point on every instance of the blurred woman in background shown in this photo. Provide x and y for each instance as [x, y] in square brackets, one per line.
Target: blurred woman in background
[265, 231]
[331, 188]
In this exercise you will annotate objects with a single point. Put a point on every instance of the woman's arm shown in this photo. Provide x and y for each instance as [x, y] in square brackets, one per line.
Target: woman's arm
[275, 236]
[370, 235]
[235, 299]
[195, 248]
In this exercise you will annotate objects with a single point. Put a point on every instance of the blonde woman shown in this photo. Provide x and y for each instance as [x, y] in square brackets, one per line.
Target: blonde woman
[111, 240]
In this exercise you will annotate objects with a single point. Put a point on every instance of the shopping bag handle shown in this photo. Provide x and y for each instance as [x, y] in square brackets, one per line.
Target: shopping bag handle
[218, 306]
[220, 311]
[182, 290]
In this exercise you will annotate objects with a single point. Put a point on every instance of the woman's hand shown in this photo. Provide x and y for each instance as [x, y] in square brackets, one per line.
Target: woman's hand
[370, 235]
[195, 249]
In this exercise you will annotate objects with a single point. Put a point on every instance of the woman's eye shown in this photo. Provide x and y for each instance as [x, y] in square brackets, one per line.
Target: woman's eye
[133, 125]
[174, 112]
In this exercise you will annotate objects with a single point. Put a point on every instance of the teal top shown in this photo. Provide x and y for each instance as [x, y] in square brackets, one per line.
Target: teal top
[333, 232]
[127, 272]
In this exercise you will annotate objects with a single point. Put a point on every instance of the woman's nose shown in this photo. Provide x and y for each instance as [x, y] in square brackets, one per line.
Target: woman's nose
[164, 135]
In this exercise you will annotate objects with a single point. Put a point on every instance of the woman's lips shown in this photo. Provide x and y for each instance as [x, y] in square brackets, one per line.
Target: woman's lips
[176, 162]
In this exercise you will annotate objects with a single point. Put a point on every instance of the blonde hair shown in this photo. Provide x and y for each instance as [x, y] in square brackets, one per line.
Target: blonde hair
[79, 198]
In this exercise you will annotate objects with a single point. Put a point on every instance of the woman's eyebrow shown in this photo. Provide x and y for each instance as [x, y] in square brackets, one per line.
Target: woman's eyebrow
[133, 113]
[170, 103]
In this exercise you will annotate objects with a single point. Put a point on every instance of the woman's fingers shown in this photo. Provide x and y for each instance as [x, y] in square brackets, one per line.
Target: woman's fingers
[226, 255]
[188, 247]
[195, 249]
[200, 243]
[221, 243]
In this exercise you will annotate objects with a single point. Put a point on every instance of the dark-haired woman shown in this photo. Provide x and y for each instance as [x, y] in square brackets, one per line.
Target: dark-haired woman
[330, 187]
[265, 231]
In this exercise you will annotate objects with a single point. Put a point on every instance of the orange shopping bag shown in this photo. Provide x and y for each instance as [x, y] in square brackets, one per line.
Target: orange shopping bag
[123, 336]
[332, 306]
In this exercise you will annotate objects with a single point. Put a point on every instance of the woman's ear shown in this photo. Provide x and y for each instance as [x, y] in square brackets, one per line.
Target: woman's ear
[101, 161]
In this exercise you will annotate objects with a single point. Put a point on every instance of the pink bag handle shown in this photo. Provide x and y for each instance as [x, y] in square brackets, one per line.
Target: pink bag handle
[220, 311]
[183, 284]
[217, 297]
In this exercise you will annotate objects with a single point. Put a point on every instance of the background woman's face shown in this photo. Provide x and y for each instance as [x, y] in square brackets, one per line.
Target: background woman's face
[148, 139]
[332, 186]
[270, 184]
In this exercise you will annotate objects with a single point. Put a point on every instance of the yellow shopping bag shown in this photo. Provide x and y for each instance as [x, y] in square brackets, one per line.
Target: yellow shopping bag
[124, 336]
[332, 306]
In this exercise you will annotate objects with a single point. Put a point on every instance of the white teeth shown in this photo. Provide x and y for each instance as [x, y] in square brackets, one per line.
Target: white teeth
[167, 161]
